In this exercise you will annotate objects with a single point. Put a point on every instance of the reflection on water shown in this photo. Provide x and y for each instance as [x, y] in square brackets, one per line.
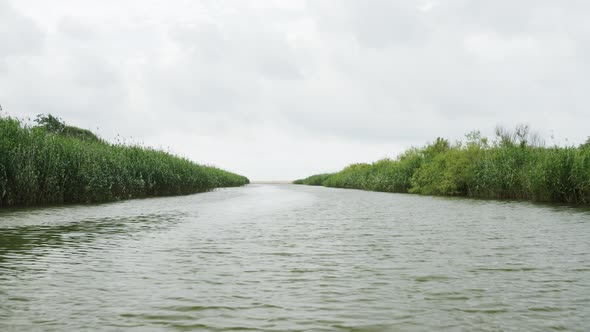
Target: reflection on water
[282, 257]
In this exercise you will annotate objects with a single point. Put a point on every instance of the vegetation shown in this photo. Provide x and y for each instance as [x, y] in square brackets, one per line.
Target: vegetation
[513, 165]
[54, 163]
[314, 180]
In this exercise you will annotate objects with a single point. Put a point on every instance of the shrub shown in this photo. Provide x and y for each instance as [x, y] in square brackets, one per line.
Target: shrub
[515, 165]
[56, 163]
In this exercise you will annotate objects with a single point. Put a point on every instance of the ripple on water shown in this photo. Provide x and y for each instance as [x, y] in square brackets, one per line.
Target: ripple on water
[281, 257]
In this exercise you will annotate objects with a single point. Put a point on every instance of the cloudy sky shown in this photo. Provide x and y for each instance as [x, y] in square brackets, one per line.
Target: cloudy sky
[281, 89]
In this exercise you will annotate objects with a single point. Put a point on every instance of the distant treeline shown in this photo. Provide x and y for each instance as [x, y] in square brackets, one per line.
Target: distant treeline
[52, 163]
[513, 165]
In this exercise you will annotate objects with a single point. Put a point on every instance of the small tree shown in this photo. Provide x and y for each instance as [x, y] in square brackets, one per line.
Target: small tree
[50, 123]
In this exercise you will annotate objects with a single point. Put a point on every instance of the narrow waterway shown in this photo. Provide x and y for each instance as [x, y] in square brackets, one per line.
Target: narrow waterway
[285, 257]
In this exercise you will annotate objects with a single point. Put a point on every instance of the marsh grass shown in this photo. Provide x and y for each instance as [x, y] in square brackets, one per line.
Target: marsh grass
[314, 180]
[54, 163]
[513, 165]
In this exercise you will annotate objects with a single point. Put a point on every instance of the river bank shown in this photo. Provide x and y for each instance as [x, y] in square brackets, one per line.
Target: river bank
[512, 165]
[53, 163]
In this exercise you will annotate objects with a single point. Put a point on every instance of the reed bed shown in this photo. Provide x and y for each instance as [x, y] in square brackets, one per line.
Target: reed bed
[512, 165]
[52, 163]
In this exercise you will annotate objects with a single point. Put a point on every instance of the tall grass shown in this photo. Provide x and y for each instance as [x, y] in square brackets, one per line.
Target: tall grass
[54, 163]
[513, 165]
[314, 180]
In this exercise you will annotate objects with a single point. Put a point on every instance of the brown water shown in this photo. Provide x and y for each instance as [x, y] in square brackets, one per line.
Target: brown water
[284, 257]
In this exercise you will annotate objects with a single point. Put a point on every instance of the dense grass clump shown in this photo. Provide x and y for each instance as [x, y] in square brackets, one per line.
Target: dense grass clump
[55, 163]
[314, 180]
[514, 165]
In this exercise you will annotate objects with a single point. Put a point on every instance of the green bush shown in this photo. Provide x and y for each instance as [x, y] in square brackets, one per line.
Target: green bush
[314, 180]
[55, 163]
[514, 166]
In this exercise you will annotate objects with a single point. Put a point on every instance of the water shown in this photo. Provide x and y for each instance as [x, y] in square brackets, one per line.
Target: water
[284, 257]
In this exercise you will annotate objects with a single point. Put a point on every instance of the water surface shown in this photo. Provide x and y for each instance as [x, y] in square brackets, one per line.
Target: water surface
[284, 257]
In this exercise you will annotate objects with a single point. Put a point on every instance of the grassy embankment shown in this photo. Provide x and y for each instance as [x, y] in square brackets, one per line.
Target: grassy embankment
[512, 166]
[53, 163]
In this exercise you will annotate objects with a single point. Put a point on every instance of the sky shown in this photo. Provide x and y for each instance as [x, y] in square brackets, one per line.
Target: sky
[282, 89]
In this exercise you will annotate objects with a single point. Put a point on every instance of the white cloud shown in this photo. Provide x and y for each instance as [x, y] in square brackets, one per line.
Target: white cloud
[282, 89]
[19, 35]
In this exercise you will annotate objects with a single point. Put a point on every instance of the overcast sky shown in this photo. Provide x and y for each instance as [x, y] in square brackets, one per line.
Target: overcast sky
[278, 90]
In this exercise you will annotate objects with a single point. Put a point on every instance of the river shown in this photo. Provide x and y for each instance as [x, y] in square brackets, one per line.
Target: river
[296, 258]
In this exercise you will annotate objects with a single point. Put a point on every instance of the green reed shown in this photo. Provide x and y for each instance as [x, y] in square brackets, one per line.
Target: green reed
[512, 165]
[53, 163]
